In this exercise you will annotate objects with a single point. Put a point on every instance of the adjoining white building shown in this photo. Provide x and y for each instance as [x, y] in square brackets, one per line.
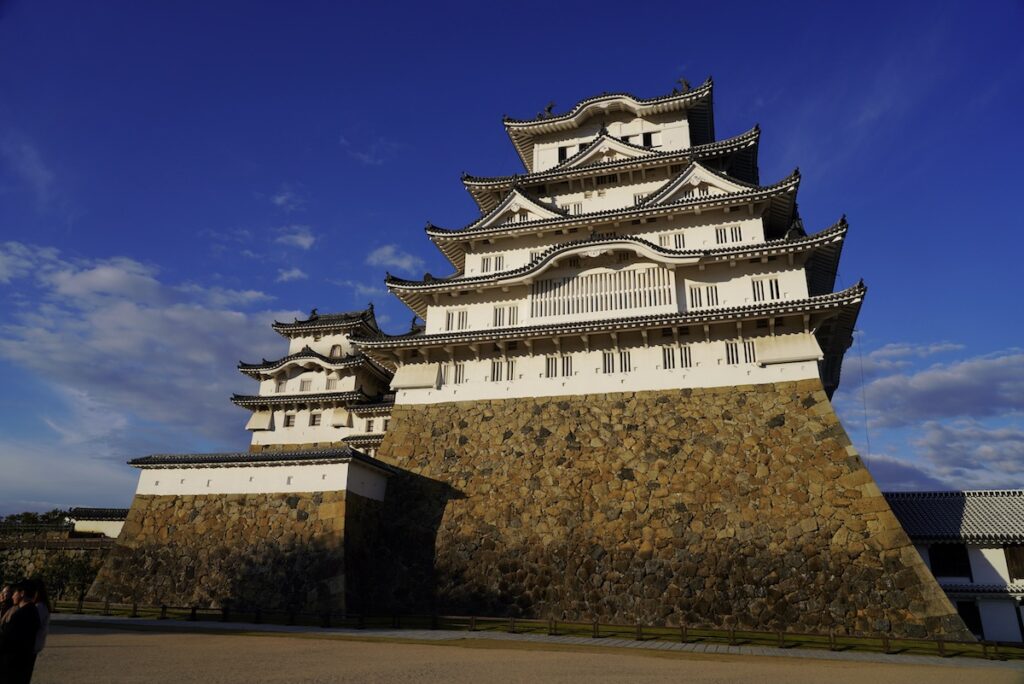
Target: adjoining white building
[973, 542]
[105, 521]
[637, 253]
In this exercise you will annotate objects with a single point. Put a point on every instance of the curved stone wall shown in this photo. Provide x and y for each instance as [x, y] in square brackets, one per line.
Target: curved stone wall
[742, 506]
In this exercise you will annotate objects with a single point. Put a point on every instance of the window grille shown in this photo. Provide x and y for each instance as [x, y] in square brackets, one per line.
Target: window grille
[696, 297]
[736, 233]
[748, 352]
[460, 373]
[289, 420]
[369, 425]
[623, 257]
[608, 362]
[510, 370]
[680, 241]
[485, 264]
[550, 367]
[639, 288]
[607, 179]
[732, 353]
[668, 358]
[463, 320]
[576, 208]
[496, 371]
[566, 366]
[499, 263]
[314, 419]
[573, 262]
[685, 359]
[280, 385]
[638, 197]
[663, 240]
[445, 374]
[305, 385]
[721, 236]
[499, 316]
[534, 256]
[332, 383]
[711, 294]
[624, 365]
[772, 289]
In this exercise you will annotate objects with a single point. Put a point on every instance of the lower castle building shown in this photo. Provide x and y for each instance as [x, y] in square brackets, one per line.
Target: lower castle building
[617, 407]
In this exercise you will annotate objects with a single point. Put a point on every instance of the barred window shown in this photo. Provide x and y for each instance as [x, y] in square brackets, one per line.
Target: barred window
[305, 385]
[668, 358]
[624, 365]
[550, 367]
[496, 371]
[510, 370]
[369, 425]
[499, 263]
[766, 286]
[485, 264]
[608, 362]
[680, 241]
[460, 373]
[732, 353]
[685, 357]
[314, 419]
[566, 366]
[279, 386]
[748, 351]
[289, 420]
[736, 233]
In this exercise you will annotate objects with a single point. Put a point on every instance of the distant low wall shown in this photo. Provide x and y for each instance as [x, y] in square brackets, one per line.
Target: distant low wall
[66, 563]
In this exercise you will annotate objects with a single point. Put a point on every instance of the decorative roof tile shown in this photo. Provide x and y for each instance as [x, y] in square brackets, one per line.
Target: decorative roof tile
[254, 400]
[329, 321]
[251, 459]
[308, 353]
[977, 516]
[82, 513]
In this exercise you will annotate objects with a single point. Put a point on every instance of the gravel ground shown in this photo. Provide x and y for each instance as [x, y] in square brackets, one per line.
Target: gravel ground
[83, 655]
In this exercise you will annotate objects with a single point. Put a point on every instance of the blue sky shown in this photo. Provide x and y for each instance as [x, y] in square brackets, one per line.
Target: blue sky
[173, 176]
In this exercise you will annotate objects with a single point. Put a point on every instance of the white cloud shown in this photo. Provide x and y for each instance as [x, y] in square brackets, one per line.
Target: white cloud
[26, 163]
[378, 151]
[973, 454]
[288, 199]
[897, 474]
[296, 236]
[363, 289]
[288, 275]
[392, 256]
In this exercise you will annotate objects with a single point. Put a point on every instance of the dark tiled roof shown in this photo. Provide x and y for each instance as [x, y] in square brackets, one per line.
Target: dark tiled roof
[242, 459]
[252, 400]
[307, 353]
[836, 230]
[697, 93]
[319, 321]
[381, 407]
[979, 516]
[837, 300]
[98, 513]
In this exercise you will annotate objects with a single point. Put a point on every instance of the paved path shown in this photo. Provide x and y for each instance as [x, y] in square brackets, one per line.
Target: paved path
[440, 635]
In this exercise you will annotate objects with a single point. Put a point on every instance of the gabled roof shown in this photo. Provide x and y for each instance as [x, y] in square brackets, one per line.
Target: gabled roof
[830, 239]
[343, 454]
[994, 516]
[782, 209]
[514, 202]
[524, 131]
[483, 188]
[306, 353]
[694, 176]
[603, 146]
[339, 322]
[829, 304]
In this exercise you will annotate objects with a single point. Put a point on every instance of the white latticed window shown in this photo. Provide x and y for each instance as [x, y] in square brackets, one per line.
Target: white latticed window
[505, 315]
[685, 358]
[668, 358]
[664, 240]
[732, 353]
[566, 366]
[680, 241]
[730, 234]
[332, 383]
[766, 288]
[280, 385]
[456, 320]
[551, 367]
[485, 264]
[599, 292]
[499, 263]
[576, 208]
[748, 351]
[305, 385]
[460, 373]
[607, 362]
[703, 295]
[736, 233]
[624, 365]
[497, 368]
[510, 370]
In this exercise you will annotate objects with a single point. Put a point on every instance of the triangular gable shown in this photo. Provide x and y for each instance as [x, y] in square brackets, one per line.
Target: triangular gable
[603, 149]
[695, 182]
[517, 208]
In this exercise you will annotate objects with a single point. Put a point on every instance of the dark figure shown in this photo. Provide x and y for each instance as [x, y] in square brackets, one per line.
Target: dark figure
[6, 601]
[18, 638]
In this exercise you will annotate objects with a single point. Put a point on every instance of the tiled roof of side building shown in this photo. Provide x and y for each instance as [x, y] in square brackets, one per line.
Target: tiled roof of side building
[83, 513]
[319, 321]
[974, 516]
[307, 353]
[251, 400]
[242, 459]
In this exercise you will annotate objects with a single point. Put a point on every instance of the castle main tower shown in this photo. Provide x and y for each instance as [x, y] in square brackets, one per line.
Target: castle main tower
[624, 391]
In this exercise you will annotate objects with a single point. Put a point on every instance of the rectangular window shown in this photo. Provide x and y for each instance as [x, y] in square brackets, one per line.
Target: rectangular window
[445, 374]
[305, 385]
[563, 153]
[485, 264]
[496, 371]
[736, 233]
[513, 315]
[510, 370]
[314, 419]
[711, 295]
[551, 367]
[499, 263]
[606, 180]
[499, 316]
[534, 256]
[721, 236]
[332, 383]
[748, 352]
[463, 320]
[608, 362]
[732, 353]
[289, 420]
[573, 262]
[387, 422]
[280, 385]
[684, 357]
[566, 366]
[369, 425]
[950, 560]
[668, 358]
[648, 139]
[1015, 561]
[576, 208]
[766, 288]
[696, 298]
[460, 373]
[622, 257]
[680, 241]
[583, 146]
[663, 240]
[624, 365]
[638, 197]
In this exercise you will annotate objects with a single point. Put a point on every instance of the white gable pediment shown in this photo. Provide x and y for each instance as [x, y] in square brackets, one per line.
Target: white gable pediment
[694, 183]
[516, 208]
[604, 149]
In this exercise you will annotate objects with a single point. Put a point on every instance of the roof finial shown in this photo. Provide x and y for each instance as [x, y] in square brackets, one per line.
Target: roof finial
[412, 325]
[369, 309]
[684, 84]
[604, 129]
[550, 106]
[313, 314]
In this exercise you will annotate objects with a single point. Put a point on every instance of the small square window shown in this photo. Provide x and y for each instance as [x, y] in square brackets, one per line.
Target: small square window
[289, 420]
[314, 419]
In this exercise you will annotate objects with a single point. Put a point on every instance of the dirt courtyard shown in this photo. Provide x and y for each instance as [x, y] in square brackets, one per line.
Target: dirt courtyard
[82, 655]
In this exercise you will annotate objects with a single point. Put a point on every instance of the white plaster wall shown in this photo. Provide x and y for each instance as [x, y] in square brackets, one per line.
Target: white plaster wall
[108, 528]
[263, 479]
[321, 343]
[709, 369]
[304, 433]
[988, 565]
[999, 619]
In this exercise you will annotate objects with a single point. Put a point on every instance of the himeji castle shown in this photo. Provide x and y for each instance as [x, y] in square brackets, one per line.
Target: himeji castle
[616, 407]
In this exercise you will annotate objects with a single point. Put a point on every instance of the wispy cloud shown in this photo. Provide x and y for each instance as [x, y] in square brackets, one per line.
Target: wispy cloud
[288, 275]
[363, 289]
[288, 198]
[26, 163]
[377, 152]
[393, 257]
[296, 236]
